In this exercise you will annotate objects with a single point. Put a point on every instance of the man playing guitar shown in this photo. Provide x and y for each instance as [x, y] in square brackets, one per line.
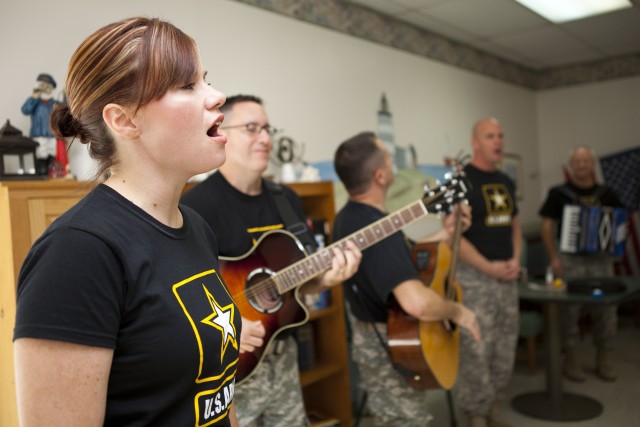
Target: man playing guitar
[386, 272]
[239, 208]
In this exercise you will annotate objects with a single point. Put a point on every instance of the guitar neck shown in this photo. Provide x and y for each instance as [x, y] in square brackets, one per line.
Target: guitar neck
[455, 250]
[317, 263]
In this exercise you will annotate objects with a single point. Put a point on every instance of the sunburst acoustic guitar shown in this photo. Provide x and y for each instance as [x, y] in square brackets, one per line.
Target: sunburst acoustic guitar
[265, 281]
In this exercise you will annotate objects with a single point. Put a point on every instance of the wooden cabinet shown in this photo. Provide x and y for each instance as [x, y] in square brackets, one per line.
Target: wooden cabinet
[326, 385]
[28, 207]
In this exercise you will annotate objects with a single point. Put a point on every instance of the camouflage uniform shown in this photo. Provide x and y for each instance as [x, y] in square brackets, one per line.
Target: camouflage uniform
[605, 318]
[486, 366]
[272, 396]
[391, 401]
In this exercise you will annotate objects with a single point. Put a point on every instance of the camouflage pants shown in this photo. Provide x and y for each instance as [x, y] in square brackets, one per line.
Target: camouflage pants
[604, 317]
[272, 396]
[391, 401]
[486, 366]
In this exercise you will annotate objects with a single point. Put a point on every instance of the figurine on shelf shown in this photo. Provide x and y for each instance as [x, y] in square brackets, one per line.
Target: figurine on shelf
[60, 167]
[288, 154]
[39, 106]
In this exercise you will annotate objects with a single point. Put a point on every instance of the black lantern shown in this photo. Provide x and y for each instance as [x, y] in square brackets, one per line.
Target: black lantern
[17, 155]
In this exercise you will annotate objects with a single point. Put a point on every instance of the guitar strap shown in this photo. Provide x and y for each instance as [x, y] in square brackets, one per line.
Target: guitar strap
[575, 199]
[401, 369]
[289, 217]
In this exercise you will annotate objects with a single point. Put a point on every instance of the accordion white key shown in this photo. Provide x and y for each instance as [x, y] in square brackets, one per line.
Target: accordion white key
[593, 230]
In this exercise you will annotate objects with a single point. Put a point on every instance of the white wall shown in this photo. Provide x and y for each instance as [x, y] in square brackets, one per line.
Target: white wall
[321, 86]
[605, 116]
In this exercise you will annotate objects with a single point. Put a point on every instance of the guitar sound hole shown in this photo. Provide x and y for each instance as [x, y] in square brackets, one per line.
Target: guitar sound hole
[262, 292]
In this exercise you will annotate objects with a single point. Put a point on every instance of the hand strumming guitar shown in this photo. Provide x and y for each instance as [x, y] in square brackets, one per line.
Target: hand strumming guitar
[467, 319]
[251, 335]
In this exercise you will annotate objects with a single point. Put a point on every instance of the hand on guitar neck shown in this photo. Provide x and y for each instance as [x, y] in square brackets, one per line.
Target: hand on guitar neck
[450, 224]
[343, 265]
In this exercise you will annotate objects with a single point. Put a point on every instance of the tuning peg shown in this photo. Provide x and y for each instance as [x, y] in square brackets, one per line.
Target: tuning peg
[448, 175]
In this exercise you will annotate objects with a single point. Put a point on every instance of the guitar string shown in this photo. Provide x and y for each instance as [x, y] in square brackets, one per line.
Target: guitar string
[268, 283]
[265, 284]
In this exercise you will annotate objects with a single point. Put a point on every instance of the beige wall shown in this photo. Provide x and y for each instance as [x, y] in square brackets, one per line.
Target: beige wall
[605, 116]
[319, 85]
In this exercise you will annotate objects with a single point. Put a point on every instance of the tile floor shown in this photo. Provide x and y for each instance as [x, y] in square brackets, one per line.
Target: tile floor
[621, 399]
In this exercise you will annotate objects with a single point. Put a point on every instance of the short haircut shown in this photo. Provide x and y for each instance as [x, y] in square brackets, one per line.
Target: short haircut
[237, 99]
[355, 161]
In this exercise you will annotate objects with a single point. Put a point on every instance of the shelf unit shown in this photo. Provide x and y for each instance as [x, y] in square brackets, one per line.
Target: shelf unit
[28, 207]
[326, 385]
[26, 210]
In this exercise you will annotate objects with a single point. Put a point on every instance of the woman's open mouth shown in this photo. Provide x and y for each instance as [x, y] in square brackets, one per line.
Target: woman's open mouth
[213, 130]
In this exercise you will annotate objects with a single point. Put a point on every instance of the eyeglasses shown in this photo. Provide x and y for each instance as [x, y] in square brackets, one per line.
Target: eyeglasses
[254, 128]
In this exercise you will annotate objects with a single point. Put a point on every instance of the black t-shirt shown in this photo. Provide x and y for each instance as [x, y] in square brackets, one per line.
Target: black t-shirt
[493, 203]
[384, 265]
[237, 219]
[107, 274]
[569, 194]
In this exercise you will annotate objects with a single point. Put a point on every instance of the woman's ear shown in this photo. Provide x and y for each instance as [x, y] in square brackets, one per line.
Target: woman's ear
[116, 117]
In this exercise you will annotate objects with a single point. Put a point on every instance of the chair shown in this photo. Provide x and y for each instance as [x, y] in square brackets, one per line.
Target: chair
[531, 321]
[531, 326]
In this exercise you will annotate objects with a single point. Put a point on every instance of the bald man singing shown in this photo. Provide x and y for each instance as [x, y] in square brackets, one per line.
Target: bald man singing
[490, 254]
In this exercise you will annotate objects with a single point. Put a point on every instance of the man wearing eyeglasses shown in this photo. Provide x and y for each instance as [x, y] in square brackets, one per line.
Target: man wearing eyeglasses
[238, 206]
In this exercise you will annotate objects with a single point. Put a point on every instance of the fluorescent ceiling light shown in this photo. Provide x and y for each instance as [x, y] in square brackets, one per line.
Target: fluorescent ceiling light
[568, 10]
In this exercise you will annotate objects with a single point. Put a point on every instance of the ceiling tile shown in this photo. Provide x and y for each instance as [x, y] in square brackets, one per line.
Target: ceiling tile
[389, 7]
[620, 49]
[485, 17]
[606, 32]
[419, 4]
[505, 53]
[544, 43]
[435, 26]
[511, 31]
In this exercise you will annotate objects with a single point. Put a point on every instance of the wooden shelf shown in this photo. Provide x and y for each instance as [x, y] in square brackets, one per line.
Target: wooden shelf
[26, 210]
[318, 373]
[318, 314]
[326, 386]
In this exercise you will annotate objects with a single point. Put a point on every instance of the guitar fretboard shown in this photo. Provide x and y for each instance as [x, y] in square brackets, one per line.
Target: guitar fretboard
[317, 263]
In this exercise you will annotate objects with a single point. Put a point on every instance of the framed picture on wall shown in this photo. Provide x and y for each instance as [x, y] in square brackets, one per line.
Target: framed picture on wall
[512, 166]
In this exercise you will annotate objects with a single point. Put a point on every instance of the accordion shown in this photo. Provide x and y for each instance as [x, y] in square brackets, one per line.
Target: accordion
[593, 230]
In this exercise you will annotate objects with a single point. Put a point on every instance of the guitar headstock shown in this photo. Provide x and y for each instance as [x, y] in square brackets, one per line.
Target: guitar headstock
[442, 197]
